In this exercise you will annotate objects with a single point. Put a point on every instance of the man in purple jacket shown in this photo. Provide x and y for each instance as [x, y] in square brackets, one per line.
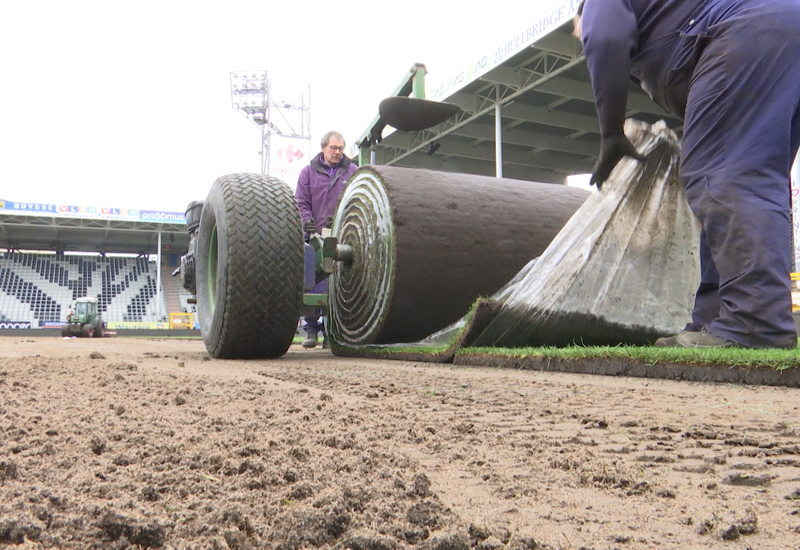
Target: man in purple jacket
[319, 187]
[731, 69]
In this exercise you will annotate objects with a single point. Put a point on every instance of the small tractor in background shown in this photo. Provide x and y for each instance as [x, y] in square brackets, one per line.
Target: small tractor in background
[85, 321]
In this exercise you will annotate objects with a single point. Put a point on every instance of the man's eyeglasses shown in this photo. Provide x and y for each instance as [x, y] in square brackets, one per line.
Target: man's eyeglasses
[336, 148]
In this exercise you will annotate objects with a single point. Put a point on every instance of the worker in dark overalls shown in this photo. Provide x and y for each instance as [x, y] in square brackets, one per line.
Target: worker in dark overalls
[731, 70]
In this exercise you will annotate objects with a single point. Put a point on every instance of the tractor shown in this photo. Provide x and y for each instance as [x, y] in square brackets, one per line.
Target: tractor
[85, 320]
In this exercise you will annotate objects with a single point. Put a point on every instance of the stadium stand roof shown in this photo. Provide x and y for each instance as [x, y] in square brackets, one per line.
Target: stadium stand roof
[538, 81]
[26, 226]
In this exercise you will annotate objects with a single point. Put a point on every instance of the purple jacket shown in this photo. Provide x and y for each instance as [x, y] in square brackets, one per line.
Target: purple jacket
[319, 187]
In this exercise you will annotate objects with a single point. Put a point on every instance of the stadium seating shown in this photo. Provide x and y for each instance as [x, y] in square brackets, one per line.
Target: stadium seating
[40, 288]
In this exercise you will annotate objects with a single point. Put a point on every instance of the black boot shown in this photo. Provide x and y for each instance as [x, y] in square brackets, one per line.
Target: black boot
[311, 339]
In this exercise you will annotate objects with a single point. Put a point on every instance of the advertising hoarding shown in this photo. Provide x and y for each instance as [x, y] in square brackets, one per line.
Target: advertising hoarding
[287, 156]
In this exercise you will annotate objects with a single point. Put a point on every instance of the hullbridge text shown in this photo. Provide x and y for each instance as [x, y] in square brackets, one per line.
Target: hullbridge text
[539, 28]
[543, 22]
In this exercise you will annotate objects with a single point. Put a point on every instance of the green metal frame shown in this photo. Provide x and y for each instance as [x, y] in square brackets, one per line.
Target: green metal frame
[324, 253]
[413, 85]
[315, 300]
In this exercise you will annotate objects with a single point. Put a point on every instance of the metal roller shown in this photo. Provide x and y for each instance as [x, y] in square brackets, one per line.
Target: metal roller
[426, 244]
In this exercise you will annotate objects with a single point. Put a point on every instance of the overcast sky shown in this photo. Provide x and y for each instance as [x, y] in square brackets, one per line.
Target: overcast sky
[105, 103]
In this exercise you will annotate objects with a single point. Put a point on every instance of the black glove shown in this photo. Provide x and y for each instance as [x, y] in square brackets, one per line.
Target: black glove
[329, 223]
[310, 226]
[612, 150]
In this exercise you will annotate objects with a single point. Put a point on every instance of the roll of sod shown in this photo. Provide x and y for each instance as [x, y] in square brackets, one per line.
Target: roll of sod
[427, 244]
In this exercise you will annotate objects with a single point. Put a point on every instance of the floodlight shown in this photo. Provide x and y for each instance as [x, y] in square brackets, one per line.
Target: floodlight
[275, 107]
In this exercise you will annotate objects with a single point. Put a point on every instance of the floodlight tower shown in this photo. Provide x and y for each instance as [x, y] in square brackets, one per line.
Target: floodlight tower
[275, 107]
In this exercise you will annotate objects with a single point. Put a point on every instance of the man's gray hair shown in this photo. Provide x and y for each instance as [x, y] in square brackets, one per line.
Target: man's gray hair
[327, 137]
[577, 22]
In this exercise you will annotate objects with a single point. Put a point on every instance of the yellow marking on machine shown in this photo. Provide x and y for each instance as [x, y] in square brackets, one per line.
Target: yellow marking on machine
[795, 277]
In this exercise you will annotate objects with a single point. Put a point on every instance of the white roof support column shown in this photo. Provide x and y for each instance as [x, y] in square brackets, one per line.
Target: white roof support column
[158, 279]
[498, 136]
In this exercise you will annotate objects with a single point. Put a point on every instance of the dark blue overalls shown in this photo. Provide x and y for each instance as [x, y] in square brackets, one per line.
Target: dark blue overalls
[731, 68]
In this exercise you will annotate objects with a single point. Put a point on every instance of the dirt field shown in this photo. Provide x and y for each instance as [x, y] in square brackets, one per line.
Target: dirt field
[128, 444]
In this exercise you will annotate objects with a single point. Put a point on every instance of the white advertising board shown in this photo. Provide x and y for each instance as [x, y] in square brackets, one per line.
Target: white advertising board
[287, 156]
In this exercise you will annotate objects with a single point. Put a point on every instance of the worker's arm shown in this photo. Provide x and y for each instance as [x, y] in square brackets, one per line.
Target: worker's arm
[610, 32]
[303, 195]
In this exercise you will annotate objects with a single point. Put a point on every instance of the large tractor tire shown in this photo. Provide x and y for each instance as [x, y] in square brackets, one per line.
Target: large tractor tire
[87, 331]
[249, 267]
[65, 332]
[99, 329]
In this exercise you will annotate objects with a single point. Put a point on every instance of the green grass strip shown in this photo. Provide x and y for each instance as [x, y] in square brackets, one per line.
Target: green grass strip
[388, 350]
[778, 359]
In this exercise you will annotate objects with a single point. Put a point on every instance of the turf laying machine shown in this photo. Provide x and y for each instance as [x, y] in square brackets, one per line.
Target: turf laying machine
[408, 250]
[403, 263]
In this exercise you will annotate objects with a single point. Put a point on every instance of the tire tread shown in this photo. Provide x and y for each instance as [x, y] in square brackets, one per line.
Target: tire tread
[263, 293]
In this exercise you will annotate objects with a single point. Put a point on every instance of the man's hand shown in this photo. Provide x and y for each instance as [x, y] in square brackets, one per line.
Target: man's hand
[612, 150]
[310, 226]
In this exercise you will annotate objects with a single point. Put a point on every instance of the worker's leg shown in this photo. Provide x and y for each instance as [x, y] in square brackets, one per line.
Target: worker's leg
[706, 301]
[735, 166]
[313, 324]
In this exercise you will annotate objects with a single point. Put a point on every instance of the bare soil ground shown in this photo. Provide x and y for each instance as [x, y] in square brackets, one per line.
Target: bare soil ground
[129, 444]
